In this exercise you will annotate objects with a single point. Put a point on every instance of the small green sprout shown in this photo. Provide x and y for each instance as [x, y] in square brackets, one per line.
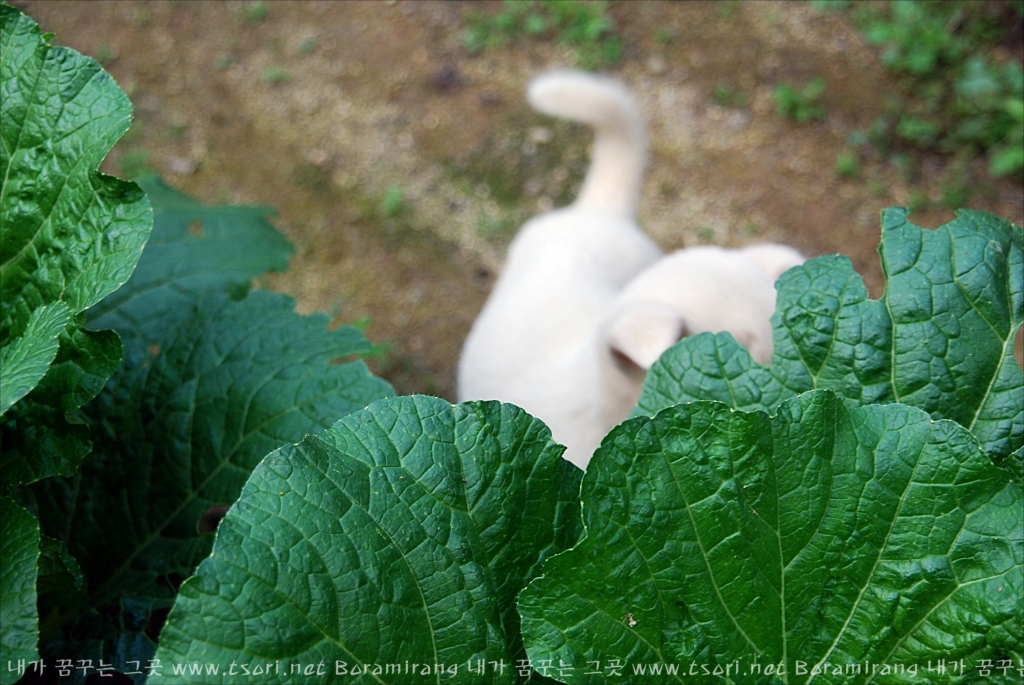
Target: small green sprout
[800, 106]
[664, 35]
[724, 95]
[394, 201]
[918, 201]
[105, 54]
[727, 10]
[256, 12]
[848, 165]
[275, 75]
[535, 24]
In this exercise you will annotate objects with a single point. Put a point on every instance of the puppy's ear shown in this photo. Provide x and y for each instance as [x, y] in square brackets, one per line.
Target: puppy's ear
[637, 333]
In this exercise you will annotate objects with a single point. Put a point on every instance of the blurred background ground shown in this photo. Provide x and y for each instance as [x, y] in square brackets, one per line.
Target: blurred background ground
[401, 164]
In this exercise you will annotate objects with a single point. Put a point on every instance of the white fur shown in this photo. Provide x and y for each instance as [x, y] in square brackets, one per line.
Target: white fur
[707, 289]
[775, 259]
[617, 161]
[586, 303]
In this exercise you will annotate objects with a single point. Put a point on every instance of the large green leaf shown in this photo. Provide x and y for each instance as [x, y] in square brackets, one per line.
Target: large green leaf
[941, 339]
[208, 386]
[394, 542]
[19, 559]
[194, 249]
[823, 536]
[182, 424]
[70, 236]
[70, 233]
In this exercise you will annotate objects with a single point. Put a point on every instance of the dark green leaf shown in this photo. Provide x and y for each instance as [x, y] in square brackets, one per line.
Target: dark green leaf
[402, 534]
[182, 424]
[194, 249]
[822, 536]
[45, 434]
[61, 585]
[1014, 464]
[941, 338]
[19, 566]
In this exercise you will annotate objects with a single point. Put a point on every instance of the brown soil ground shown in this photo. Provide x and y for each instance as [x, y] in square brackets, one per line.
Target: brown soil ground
[331, 111]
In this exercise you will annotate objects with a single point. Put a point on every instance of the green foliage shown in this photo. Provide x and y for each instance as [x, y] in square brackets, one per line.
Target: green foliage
[848, 165]
[955, 185]
[806, 515]
[195, 249]
[509, 161]
[61, 585]
[918, 201]
[585, 26]
[275, 75]
[724, 95]
[664, 35]
[961, 95]
[25, 360]
[801, 105]
[212, 380]
[726, 10]
[19, 564]
[921, 132]
[70, 236]
[705, 233]
[105, 54]
[941, 338]
[446, 510]
[255, 12]
[394, 201]
[224, 61]
[713, 535]
[829, 5]
[1007, 156]
[819, 538]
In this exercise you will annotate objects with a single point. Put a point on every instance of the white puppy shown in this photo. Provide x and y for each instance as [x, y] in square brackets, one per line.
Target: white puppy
[562, 335]
[533, 343]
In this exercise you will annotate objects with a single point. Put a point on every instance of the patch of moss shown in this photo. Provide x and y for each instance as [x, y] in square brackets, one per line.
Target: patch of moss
[310, 177]
[515, 157]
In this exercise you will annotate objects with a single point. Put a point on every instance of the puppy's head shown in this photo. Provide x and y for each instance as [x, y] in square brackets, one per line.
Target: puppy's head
[689, 292]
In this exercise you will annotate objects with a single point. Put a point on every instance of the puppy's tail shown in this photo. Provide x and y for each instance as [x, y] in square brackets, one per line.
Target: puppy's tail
[614, 180]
